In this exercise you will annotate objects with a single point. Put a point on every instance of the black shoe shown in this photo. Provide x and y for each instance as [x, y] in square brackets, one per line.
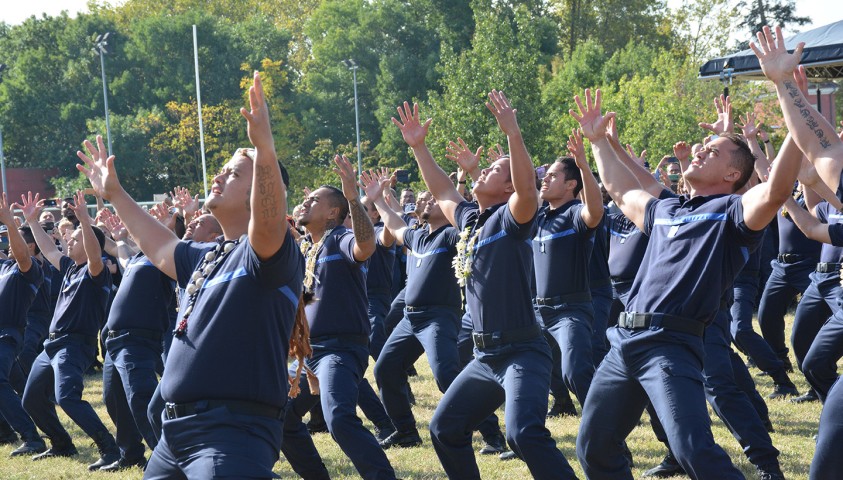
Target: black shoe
[509, 455]
[31, 447]
[562, 409]
[124, 464]
[315, 426]
[493, 445]
[810, 396]
[668, 468]
[783, 390]
[66, 451]
[770, 472]
[384, 432]
[106, 459]
[8, 438]
[402, 440]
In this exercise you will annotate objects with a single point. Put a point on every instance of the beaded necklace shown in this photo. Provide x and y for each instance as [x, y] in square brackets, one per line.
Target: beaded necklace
[212, 258]
[465, 253]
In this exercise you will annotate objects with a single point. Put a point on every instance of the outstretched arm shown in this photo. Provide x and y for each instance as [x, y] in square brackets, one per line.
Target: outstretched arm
[31, 208]
[375, 188]
[437, 181]
[156, 241]
[725, 122]
[523, 204]
[810, 226]
[361, 225]
[268, 222]
[467, 160]
[761, 202]
[89, 240]
[592, 198]
[621, 185]
[17, 245]
[811, 131]
[631, 162]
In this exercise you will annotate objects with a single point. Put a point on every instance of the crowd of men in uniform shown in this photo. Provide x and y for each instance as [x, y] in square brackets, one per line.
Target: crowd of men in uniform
[533, 282]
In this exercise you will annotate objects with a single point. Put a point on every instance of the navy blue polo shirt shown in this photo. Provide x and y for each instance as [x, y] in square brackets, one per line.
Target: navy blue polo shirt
[792, 240]
[80, 308]
[697, 247]
[42, 304]
[430, 271]
[143, 299]
[340, 305]
[598, 267]
[626, 247]
[238, 334]
[498, 289]
[381, 263]
[17, 292]
[830, 215]
[563, 243]
[753, 263]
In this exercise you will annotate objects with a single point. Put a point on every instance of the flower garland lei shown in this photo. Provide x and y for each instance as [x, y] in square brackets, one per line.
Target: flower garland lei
[465, 254]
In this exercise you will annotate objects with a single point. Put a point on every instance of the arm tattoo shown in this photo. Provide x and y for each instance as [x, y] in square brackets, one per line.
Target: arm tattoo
[360, 222]
[268, 190]
[807, 114]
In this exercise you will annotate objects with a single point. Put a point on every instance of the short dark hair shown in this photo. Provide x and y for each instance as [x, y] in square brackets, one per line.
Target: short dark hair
[572, 172]
[742, 158]
[337, 200]
[28, 237]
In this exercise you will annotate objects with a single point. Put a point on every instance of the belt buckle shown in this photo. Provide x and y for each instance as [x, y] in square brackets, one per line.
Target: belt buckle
[170, 409]
[52, 336]
[478, 340]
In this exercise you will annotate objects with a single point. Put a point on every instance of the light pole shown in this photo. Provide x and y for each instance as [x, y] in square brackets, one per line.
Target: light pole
[2, 157]
[99, 47]
[352, 65]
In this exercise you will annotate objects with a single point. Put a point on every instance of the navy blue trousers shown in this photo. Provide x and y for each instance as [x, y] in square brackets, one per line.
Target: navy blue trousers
[515, 374]
[820, 365]
[339, 366]
[396, 313]
[432, 331]
[664, 368]
[129, 381]
[59, 369]
[465, 346]
[828, 463]
[820, 301]
[601, 302]
[33, 342]
[786, 280]
[570, 325]
[379, 304]
[745, 337]
[216, 443]
[10, 403]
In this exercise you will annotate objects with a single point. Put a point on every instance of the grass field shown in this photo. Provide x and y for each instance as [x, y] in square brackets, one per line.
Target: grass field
[795, 426]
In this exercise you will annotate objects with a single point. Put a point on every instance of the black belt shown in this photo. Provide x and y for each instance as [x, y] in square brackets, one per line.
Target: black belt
[355, 339]
[828, 267]
[173, 411]
[84, 339]
[424, 308]
[136, 332]
[486, 340]
[560, 299]
[789, 257]
[636, 321]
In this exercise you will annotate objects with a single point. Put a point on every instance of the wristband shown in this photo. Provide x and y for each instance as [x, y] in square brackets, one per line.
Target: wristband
[461, 183]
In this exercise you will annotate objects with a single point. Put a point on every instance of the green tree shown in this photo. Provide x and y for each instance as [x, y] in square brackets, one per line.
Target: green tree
[759, 13]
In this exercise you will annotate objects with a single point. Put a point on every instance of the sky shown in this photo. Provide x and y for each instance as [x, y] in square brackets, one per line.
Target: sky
[14, 12]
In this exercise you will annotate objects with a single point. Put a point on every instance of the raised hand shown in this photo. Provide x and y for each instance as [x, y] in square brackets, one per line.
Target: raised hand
[80, 208]
[99, 169]
[776, 63]
[7, 218]
[750, 126]
[463, 156]
[592, 123]
[612, 131]
[682, 151]
[116, 227]
[577, 149]
[182, 200]
[347, 176]
[161, 212]
[724, 123]
[413, 131]
[30, 206]
[260, 133]
[640, 158]
[500, 107]
[495, 153]
[371, 184]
